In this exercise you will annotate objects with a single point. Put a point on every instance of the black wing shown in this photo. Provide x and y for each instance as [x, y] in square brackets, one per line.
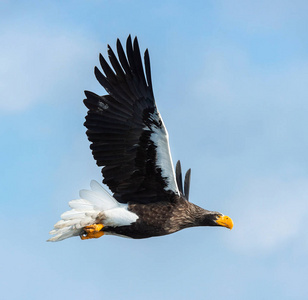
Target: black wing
[127, 134]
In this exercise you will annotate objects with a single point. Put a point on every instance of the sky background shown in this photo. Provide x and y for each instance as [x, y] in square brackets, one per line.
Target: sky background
[231, 82]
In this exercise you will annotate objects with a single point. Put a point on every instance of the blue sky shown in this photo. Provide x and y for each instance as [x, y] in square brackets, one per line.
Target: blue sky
[230, 80]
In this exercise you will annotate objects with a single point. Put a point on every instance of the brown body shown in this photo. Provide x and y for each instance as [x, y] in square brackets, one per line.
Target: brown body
[161, 218]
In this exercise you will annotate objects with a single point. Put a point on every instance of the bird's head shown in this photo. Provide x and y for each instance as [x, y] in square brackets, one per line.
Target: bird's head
[211, 218]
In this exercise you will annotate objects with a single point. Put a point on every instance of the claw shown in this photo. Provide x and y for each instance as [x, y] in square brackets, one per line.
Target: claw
[92, 231]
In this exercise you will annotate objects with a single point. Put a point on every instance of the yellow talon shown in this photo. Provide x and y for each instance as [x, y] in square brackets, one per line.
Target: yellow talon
[92, 231]
[93, 228]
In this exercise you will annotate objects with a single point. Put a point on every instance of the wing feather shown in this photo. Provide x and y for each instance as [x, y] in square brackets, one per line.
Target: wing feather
[127, 134]
[179, 180]
[187, 184]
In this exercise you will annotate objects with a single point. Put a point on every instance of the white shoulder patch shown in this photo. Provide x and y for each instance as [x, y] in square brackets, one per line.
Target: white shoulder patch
[160, 138]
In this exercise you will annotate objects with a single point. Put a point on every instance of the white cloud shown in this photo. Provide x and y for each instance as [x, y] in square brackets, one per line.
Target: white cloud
[229, 74]
[38, 61]
[260, 108]
[264, 15]
[270, 213]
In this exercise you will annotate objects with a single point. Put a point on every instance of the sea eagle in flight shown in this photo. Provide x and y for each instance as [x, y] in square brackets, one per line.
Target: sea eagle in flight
[130, 142]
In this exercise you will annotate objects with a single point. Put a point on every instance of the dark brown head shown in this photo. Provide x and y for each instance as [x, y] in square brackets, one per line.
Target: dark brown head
[213, 218]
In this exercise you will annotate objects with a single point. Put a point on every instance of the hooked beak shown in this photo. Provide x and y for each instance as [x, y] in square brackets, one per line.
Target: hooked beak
[225, 221]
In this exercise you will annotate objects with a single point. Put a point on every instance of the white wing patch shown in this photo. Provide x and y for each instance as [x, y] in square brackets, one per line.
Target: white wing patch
[160, 138]
[94, 203]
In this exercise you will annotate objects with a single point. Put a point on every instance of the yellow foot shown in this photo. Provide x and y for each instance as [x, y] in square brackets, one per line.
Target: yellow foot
[92, 232]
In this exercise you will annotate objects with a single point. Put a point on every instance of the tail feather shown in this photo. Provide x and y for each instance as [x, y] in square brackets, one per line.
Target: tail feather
[67, 223]
[83, 212]
[96, 187]
[95, 197]
[63, 235]
[80, 204]
[74, 214]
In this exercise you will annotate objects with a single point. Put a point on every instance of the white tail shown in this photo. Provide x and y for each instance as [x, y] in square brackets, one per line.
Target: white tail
[84, 212]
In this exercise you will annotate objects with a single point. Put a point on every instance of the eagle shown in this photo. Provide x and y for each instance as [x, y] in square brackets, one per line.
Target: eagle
[130, 142]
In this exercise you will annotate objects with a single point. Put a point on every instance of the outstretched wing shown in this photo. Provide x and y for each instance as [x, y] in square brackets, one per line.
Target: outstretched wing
[127, 134]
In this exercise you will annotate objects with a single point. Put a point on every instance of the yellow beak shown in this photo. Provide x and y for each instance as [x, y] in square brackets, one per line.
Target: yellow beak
[225, 221]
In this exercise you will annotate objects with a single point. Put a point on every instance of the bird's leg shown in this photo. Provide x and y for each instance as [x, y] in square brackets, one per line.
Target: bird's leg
[92, 232]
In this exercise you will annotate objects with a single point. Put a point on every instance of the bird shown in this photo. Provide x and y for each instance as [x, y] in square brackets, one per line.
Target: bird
[129, 140]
